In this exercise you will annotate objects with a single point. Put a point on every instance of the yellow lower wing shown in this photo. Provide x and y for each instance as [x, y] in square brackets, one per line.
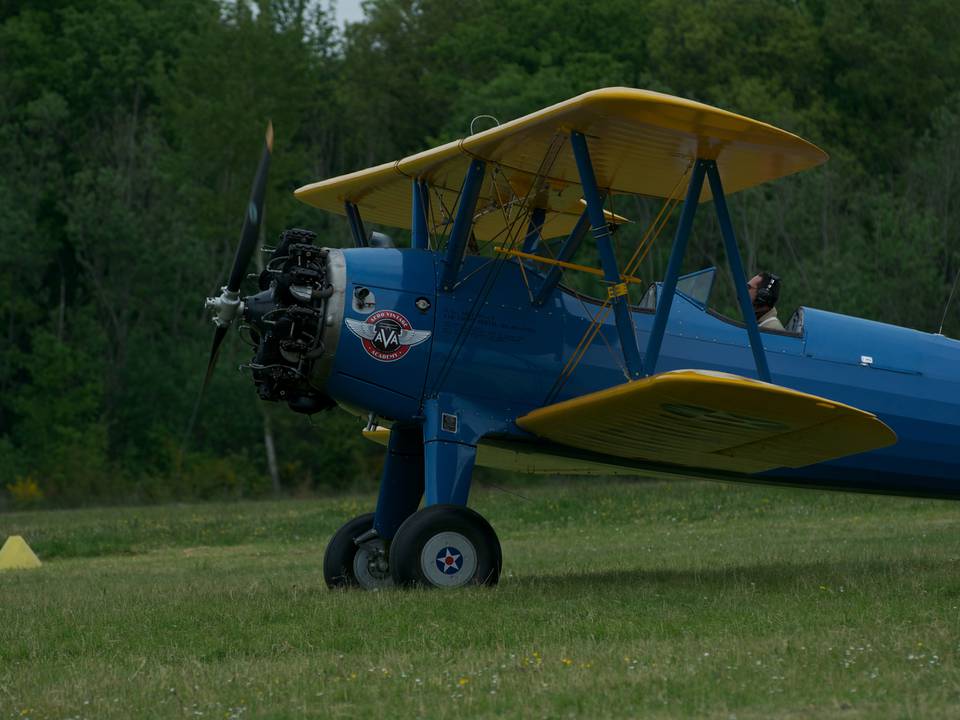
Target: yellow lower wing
[710, 420]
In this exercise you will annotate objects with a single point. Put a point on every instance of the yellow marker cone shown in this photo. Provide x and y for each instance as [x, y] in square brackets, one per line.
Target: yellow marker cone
[17, 555]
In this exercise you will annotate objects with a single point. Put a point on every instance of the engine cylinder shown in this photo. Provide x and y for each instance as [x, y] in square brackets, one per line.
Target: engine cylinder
[294, 322]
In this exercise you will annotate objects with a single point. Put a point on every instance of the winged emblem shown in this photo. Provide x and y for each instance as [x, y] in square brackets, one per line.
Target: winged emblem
[387, 335]
[367, 331]
[413, 337]
[361, 329]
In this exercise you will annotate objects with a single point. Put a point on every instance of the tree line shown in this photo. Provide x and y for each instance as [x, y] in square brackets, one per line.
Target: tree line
[129, 132]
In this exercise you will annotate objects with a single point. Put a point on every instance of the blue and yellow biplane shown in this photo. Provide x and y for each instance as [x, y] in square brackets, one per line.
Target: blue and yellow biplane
[465, 349]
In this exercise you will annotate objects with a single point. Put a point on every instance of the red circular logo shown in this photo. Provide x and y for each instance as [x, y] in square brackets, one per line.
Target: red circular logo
[387, 335]
[387, 341]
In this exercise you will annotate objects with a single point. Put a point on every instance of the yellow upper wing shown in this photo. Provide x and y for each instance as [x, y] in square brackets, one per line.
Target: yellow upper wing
[711, 421]
[641, 142]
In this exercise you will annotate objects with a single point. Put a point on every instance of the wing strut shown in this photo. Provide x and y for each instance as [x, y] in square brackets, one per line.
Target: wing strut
[736, 268]
[617, 289]
[566, 252]
[531, 244]
[420, 236]
[669, 289]
[356, 224]
[462, 224]
[701, 169]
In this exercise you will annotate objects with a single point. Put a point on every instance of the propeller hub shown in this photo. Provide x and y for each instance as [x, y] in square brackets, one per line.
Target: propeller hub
[225, 306]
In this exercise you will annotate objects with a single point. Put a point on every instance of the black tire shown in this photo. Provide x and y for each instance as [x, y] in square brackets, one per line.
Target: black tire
[341, 550]
[435, 545]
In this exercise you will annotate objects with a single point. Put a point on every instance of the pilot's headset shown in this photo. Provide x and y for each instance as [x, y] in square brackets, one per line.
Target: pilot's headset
[769, 292]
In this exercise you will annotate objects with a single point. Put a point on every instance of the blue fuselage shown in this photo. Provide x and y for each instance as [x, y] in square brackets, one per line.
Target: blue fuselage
[499, 356]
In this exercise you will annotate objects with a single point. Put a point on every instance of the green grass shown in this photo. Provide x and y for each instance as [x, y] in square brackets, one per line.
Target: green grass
[618, 600]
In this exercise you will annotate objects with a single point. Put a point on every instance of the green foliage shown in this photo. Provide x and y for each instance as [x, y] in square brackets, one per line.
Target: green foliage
[129, 133]
[60, 428]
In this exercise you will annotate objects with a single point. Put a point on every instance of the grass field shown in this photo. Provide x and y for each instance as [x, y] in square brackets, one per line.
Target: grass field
[618, 600]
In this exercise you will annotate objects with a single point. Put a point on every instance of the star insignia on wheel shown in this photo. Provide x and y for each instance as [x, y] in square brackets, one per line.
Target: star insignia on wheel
[449, 560]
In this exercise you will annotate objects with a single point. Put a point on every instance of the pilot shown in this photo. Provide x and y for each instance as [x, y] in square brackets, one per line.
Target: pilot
[764, 291]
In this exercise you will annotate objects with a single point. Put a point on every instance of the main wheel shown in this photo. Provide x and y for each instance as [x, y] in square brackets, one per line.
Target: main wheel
[445, 546]
[346, 564]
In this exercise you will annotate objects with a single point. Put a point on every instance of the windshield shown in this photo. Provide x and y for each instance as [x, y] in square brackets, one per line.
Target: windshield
[697, 286]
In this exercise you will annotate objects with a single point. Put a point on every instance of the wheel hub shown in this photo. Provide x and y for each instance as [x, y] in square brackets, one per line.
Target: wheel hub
[449, 559]
[370, 565]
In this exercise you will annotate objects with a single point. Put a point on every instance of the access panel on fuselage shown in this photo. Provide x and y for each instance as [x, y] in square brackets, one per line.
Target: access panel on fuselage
[491, 343]
[386, 332]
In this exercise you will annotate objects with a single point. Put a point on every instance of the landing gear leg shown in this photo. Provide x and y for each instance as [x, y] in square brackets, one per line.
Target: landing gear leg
[446, 544]
[401, 485]
[358, 553]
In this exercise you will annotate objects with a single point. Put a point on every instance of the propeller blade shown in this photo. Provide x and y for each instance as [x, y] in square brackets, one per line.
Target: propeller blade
[251, 221]
[227, 304]
[218, 335]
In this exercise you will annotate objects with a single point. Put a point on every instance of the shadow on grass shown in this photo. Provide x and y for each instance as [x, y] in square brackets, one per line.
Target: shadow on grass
[774, 576]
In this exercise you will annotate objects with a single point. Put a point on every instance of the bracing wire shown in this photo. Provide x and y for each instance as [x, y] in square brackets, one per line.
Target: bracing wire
[448, 215]
[474, 312]
[490, 280]
[949, 300]
[639, 255]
